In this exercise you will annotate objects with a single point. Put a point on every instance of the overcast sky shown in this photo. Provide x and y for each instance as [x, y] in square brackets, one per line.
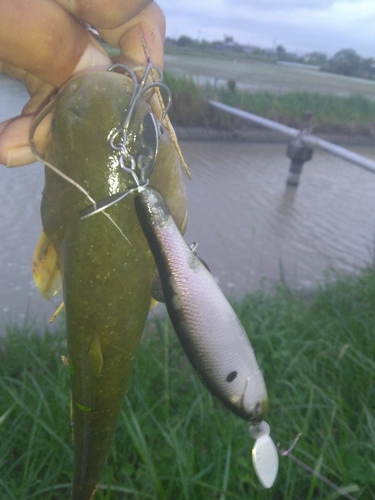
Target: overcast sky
[299, 25]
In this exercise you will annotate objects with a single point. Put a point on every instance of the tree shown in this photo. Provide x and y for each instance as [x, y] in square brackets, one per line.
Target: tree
[368, 68]
[185, 41]
[345, 62]
[316, 58]
[281, 52]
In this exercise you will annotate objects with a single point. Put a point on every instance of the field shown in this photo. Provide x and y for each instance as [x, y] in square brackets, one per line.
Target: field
[339, 104]
[254, 76]
[174, 441]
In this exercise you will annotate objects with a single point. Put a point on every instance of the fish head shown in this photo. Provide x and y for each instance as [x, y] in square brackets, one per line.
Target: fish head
[88, 110]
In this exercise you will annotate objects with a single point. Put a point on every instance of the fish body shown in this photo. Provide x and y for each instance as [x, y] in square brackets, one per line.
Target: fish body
[106, 265]
[208, 328]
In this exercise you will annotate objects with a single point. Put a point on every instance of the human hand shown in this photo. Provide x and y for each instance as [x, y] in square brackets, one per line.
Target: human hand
[44, 43]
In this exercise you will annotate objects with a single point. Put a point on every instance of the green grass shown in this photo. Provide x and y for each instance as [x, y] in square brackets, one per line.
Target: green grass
[254, 76]
[354, 114]
[174, 441]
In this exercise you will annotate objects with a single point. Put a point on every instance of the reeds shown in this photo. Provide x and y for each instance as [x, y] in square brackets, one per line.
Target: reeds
[353, 114]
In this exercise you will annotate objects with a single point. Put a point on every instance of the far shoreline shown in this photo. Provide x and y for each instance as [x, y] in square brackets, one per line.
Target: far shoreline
[205, 134]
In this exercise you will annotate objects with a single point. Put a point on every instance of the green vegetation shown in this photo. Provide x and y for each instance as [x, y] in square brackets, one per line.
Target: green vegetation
[211, 50]
[174, 441]
[255, 75]
[253, 82]
[331, 113]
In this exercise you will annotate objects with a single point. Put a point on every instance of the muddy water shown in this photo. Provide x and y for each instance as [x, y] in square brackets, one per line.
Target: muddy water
[249, 226]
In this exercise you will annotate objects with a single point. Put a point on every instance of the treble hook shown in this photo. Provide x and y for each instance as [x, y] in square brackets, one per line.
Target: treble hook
[139, 89]
[119, 138]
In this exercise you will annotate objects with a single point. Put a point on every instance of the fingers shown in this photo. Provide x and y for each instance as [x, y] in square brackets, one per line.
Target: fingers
[107, 15]
[43, 39]
[123, 24]
[140, 38]
[14, 140]
[42, 43]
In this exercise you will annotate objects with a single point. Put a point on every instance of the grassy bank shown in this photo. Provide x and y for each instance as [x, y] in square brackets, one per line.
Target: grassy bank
[174, 441]
[340, 104]
[353, 114]
[261, 76]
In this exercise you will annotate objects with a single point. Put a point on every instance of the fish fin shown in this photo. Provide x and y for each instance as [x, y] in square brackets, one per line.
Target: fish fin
[95, 355]
[45, 269]
[153, 303]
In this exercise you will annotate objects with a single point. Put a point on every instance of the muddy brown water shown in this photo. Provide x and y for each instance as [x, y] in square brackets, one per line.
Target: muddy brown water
[249, 226]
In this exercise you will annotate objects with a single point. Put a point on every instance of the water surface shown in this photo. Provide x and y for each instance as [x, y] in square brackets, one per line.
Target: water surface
[251, 227]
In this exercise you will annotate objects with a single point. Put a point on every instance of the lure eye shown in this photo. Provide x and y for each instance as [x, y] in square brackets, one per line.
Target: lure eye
[232, 376]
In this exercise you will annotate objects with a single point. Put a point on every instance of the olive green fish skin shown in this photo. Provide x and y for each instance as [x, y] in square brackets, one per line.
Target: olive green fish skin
[107, 275]
[208, 328]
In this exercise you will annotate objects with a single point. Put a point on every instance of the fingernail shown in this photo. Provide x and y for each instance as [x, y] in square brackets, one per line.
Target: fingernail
[92, 58]
[19, 156]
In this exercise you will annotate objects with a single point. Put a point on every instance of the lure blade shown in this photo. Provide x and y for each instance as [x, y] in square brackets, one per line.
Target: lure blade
[264, 454]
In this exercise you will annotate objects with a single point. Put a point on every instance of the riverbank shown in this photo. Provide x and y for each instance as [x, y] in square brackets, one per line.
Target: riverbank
[174, 441]
[261, 135]
[352, 115]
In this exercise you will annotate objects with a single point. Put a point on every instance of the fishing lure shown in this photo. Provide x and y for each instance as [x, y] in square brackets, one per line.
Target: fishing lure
[206, 324]
[208, 328]
[105, 263]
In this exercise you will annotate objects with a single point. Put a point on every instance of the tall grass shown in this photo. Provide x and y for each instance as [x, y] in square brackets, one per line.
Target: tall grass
[174, 441]
[331, 113]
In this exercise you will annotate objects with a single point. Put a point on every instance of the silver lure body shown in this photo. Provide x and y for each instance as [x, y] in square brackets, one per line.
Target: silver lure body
[208, 328]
